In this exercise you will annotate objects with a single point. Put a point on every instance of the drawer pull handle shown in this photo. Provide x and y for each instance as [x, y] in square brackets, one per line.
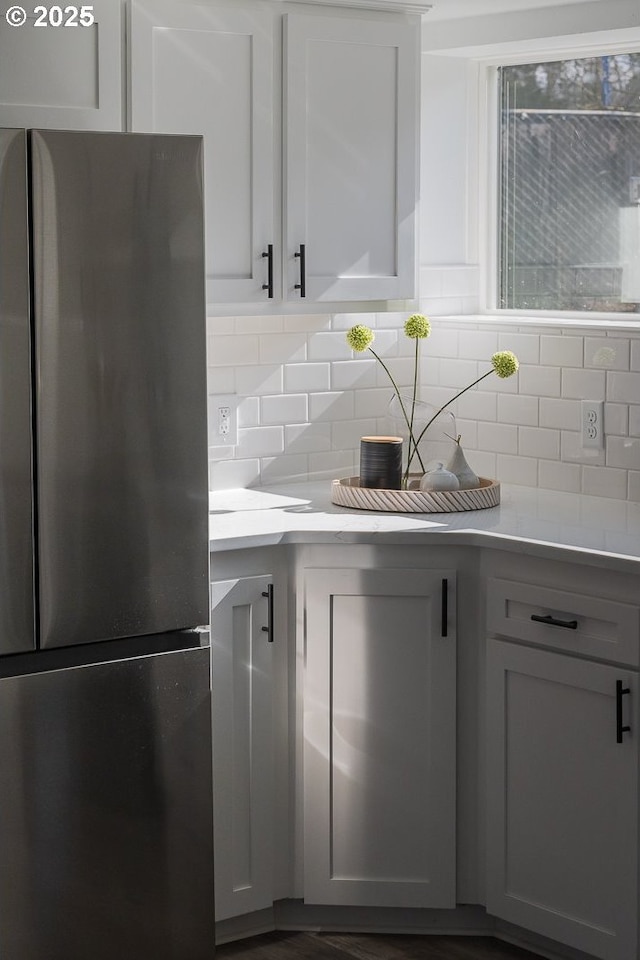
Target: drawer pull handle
[268, 593]
[620, 727]
[568, 624]
[444, 608]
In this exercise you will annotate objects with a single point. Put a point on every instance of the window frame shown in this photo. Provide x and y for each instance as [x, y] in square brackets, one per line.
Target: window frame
[488, 180]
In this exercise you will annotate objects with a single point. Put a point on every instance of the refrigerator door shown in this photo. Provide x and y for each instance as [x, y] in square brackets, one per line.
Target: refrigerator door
[106, 827]
[120, 384]
[16, 507]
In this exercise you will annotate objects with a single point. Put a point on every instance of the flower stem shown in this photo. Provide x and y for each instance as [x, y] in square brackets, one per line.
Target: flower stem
[443, 407]
[404, 412]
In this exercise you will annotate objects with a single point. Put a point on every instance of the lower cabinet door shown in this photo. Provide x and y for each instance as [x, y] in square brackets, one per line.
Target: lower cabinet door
[243, 745]
[562, 797]
[379, 737]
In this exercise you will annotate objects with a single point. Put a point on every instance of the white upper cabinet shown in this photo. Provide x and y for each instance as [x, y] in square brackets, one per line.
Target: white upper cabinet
[59, 70]
[350, 127]
[332, 176]
[209, 70]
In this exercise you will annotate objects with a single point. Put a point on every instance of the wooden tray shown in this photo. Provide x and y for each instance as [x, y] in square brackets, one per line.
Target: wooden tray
[347, 492]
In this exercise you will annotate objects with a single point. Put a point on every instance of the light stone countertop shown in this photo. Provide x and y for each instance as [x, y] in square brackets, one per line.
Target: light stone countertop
[594, 530]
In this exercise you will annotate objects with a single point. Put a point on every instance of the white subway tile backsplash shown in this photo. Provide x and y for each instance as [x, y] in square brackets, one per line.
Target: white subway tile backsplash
[352, 374]
[562, 414]
[260, 441]
[484, 463]
[458, 373]
[257, 325]
[572, 451]
[283, 348]
[522, 470]
[477, 405]
[623, 452]
[402, 371]
[329, 346]
[286, 408]
[623, 387]
[305, 399]
[221, 380]
[606, 353]
[633, 489]
[372, 403]
[555, 475]
[307, 437]
[539, 442]
[259, 380]
[538, 381]
[332, 405]
[604, 482]
[517, 409]
[225, 350]
[498, 437]
[309, 377]
[442, 342]
[616, 419]
[561, 351]
[249, 412]
[344, 321]
[334, 463]
[525, 346]
[306, 323]
[477, 345]
[284, 467]
[346, 434]
[228, 474]
[583, 384]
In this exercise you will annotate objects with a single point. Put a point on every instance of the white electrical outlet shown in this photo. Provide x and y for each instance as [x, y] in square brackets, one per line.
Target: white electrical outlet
[593, 424]
[223, 420]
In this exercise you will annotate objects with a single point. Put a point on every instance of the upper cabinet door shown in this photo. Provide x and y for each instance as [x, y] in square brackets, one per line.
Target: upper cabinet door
[209, 70]
[351, 122]
[61, 71]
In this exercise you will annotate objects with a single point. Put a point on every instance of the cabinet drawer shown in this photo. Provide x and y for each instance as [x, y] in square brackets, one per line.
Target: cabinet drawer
[573, 622]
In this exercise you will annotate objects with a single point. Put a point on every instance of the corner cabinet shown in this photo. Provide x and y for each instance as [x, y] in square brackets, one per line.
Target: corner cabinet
[350, 129]
[311, 123]
[243, 744]
[380, 737]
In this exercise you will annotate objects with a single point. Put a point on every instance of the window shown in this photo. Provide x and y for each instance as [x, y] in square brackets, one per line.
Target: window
[569, 223]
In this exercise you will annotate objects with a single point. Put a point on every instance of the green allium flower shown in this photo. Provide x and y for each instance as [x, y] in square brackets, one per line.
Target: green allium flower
[505, 363]
[417, 327]
[360, 337]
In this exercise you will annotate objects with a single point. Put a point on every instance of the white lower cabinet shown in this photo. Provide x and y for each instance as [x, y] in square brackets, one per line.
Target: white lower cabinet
[380, 737]
[562, 793]
[243, 744]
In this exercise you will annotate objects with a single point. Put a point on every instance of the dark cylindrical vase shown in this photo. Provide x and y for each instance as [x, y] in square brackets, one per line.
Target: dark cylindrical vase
[381, 462]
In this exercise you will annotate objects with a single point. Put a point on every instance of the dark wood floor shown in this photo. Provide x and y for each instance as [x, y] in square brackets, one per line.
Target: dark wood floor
[337, 946]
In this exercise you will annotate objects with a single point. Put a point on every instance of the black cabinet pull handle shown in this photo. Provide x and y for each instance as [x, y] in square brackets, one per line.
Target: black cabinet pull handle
[444, 611]
[569, 624]
[268, 593]
[302, 286]
[268, 253]
[620, 728]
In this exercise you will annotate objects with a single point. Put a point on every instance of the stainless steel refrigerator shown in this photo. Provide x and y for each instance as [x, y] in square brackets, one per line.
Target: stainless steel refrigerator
[105, 720]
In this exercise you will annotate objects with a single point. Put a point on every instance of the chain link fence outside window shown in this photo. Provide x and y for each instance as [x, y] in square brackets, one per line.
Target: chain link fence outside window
[570, 185]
